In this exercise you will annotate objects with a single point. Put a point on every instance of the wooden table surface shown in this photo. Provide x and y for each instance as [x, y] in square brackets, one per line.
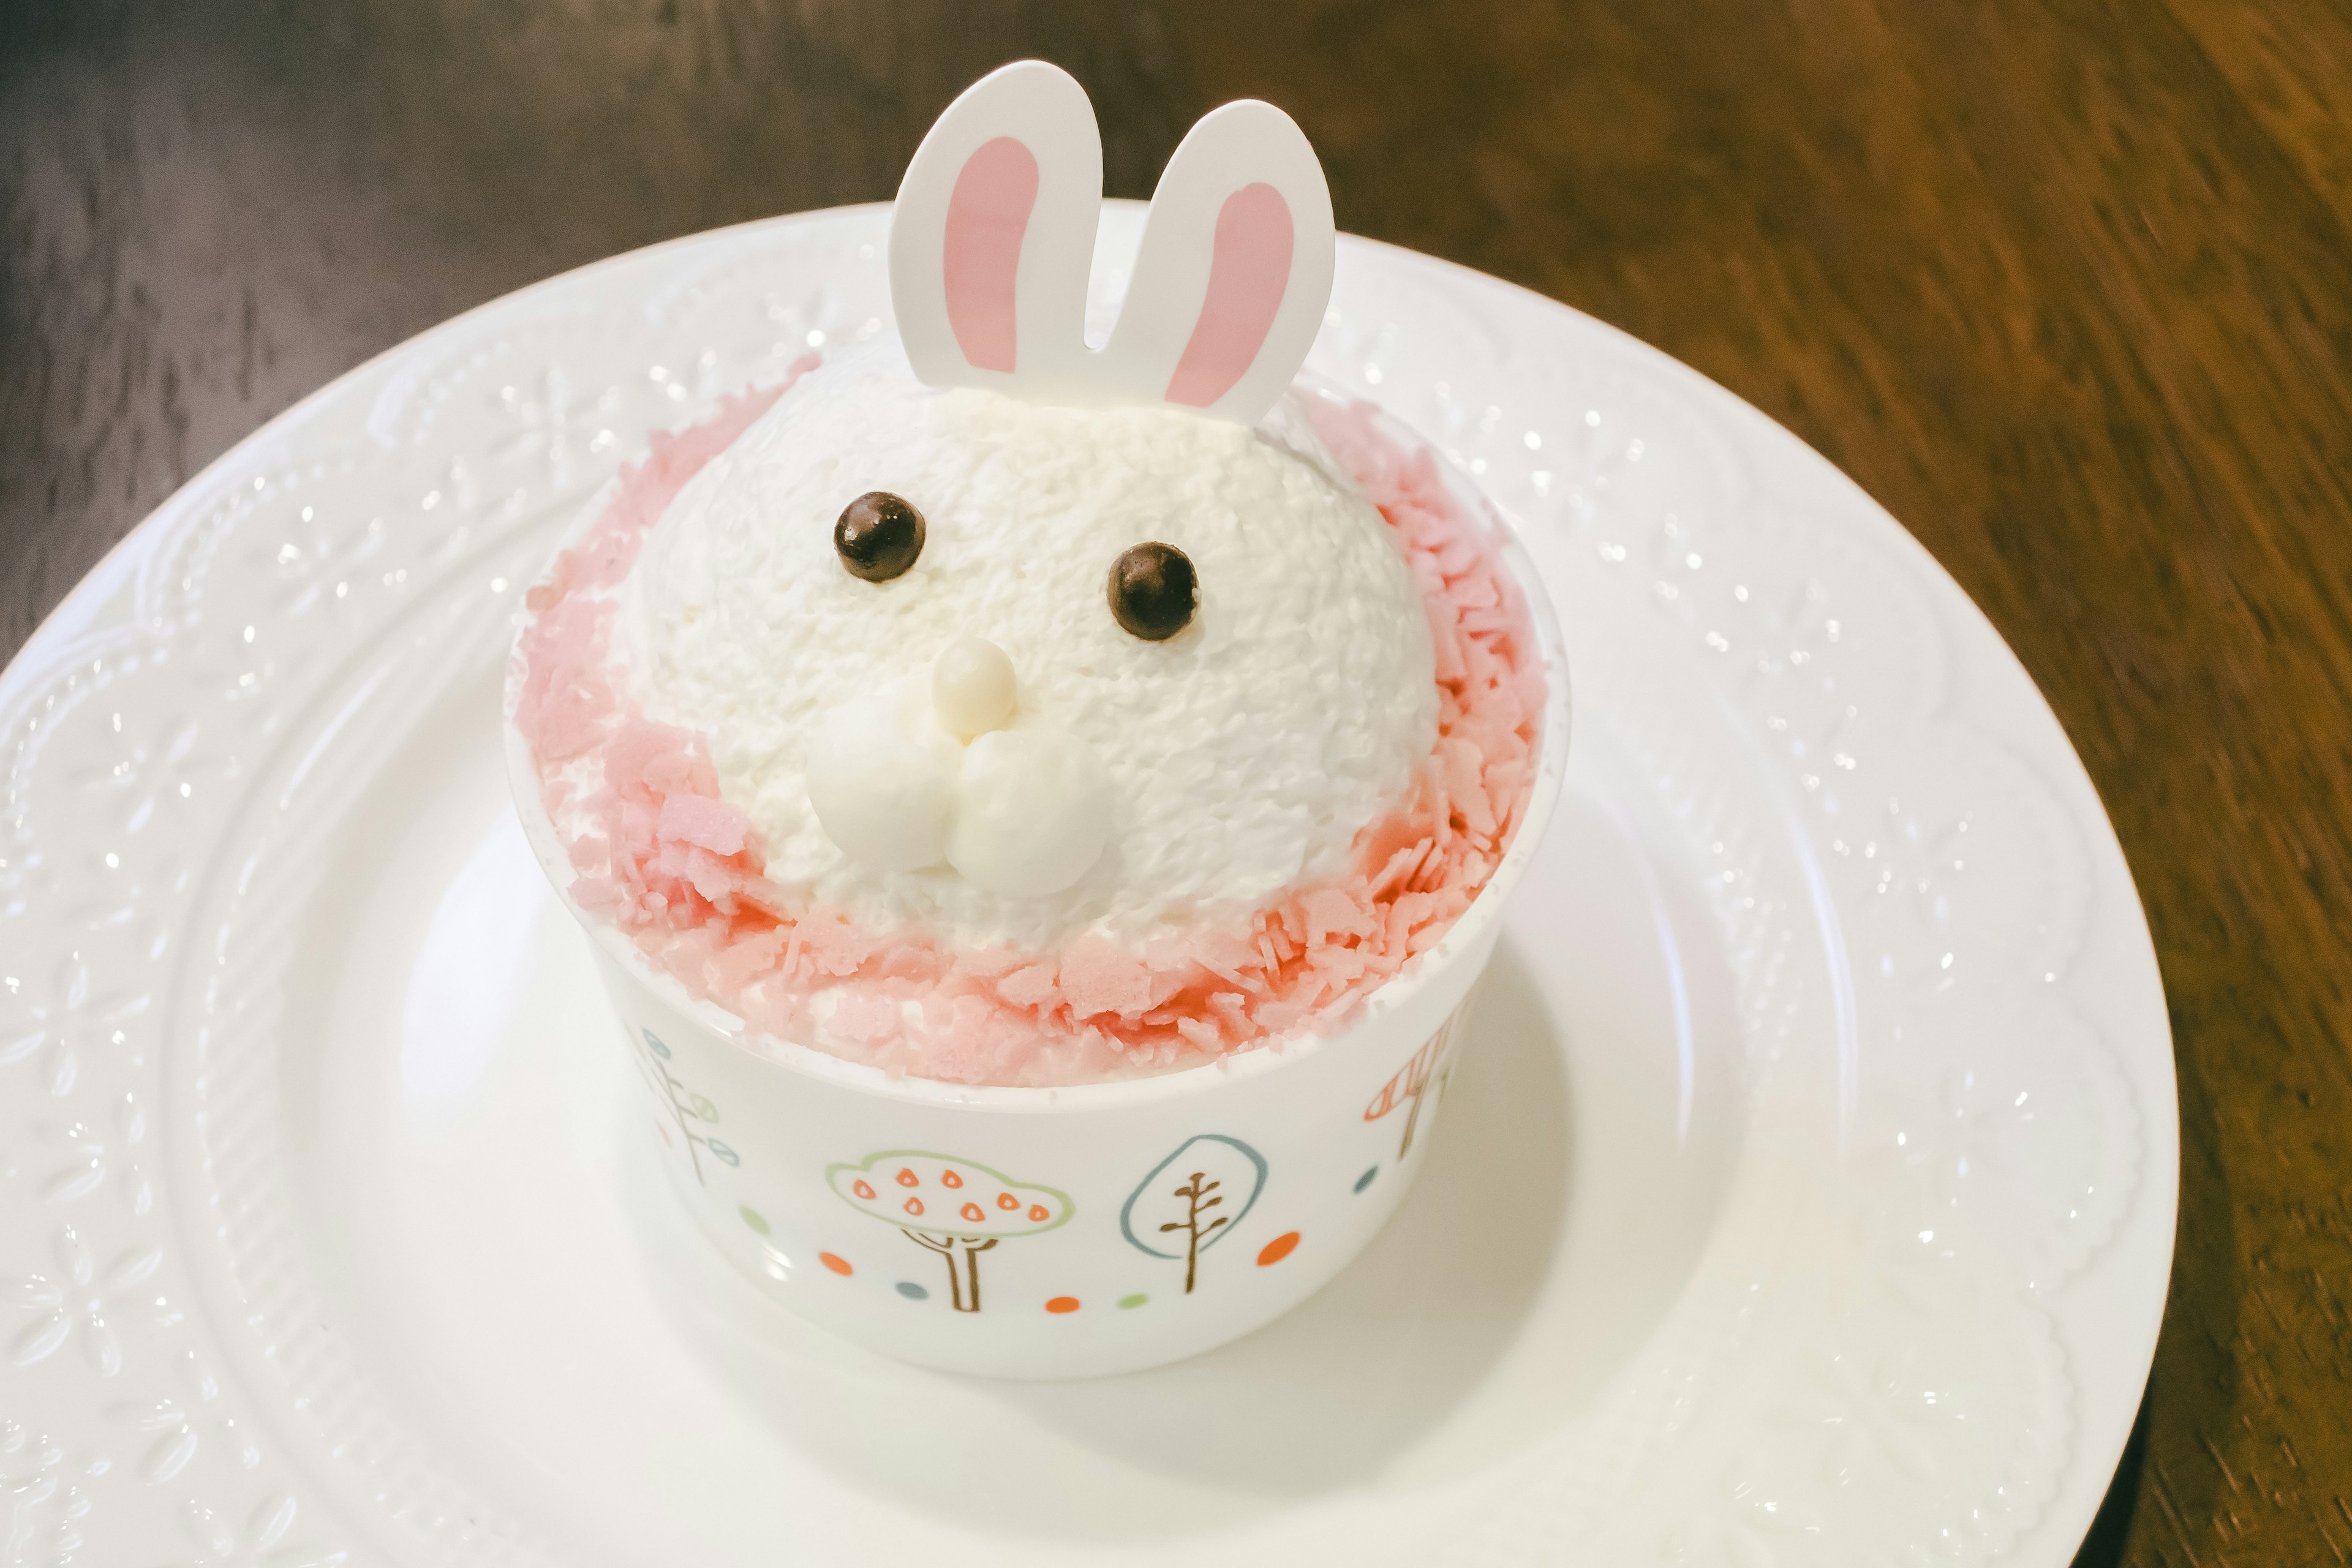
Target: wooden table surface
[2067, 287]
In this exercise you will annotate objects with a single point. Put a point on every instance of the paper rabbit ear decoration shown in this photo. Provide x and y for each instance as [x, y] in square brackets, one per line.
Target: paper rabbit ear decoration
[994, 233]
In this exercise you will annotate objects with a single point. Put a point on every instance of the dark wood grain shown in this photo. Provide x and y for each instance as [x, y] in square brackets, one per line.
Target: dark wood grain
[2068, 287]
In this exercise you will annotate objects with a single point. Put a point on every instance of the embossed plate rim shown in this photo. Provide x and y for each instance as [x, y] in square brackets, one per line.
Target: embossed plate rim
[1995, 696]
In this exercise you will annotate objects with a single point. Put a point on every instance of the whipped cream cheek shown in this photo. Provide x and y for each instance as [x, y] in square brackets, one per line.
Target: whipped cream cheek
[1300, 807]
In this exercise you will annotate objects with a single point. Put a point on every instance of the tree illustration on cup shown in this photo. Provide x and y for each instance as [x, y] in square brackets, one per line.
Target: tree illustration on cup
[957, 1208]
[686, 1109]
[1194, 1199]
[1427, 1071]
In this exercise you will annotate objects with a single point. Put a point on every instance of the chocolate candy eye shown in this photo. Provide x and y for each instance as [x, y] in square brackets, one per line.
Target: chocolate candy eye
[878, 536]
[1153, 591]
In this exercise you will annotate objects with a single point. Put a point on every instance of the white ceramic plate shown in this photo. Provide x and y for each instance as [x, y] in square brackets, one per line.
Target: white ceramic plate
[1807, 1196]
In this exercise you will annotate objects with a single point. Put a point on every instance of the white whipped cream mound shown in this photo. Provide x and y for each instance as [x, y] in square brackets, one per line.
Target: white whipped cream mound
[1244, 755]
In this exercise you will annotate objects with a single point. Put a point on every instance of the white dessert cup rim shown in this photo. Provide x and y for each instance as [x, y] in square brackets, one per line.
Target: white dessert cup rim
[1467, 936]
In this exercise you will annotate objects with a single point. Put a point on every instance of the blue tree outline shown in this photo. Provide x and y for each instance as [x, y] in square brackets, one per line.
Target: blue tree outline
[1199, 1201]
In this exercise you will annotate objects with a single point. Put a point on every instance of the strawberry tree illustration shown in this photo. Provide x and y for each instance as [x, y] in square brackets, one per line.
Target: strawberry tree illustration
[1194, 1199]
[1425, 1073]
[957, 1208]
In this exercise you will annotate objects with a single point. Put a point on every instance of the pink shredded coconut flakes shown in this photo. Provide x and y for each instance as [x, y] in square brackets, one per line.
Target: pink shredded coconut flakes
[661, 856]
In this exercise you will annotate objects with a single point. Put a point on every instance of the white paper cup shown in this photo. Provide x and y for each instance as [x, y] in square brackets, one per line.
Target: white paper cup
[850, 1194]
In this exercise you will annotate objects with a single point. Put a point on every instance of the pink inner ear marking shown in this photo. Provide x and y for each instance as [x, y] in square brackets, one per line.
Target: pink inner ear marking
[987, 213]
[1247, 274]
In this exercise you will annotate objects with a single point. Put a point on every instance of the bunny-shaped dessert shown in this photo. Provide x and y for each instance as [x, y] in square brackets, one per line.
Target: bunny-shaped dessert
[999, 708]
[983, 721]
[1013, 638]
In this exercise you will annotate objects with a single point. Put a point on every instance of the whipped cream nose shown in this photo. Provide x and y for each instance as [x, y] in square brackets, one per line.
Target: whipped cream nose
[971, 687]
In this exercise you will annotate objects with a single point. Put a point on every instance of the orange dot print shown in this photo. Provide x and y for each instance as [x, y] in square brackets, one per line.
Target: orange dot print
[950, 1179]
[861, 1189]
[1007, 1201]
[1280, 1248]
[973, 1213]
[1063, 1304]
[908, 1178]
[915, 1206]
[837, 1264]
[1039, 1211]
